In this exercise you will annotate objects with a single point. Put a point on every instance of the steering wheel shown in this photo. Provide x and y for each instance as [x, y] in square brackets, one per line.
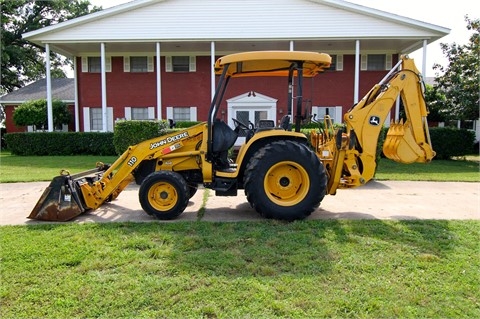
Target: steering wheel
[239, 125]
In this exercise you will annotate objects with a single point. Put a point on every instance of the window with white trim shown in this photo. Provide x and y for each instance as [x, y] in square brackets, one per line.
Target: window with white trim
[139, 113]
[182, 113]
[138, 64]
[180, 64]
[96, 123]
[337, 62]
[93, 64]
[335, 113]
[93, 119]
[376, 62]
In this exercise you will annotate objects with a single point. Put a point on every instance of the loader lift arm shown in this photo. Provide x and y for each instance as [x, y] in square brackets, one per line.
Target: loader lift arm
[350, 154]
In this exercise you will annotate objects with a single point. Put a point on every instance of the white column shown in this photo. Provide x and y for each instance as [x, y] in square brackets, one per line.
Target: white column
[49, 89]
[212, 76]
[76, 106]
[292, 45]
[159, 83]
[104, 88]
[357, 72]
[424, 64]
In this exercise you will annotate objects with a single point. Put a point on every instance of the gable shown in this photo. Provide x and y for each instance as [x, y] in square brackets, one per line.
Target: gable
[218, 20]
[252, 97]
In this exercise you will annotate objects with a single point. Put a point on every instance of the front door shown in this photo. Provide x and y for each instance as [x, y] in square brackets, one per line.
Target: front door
[249, 108]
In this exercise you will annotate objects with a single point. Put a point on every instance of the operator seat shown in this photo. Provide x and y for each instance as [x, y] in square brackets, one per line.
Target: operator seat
[223, 138]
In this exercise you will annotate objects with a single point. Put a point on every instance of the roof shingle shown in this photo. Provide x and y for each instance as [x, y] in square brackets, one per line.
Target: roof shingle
[62, 89]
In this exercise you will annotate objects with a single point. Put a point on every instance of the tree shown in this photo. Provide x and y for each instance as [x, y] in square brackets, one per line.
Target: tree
[22, 61]
[35, 113]
[435, 103]
[460, 79]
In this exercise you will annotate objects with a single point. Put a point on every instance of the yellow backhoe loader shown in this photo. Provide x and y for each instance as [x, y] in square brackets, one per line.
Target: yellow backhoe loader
[283, 175]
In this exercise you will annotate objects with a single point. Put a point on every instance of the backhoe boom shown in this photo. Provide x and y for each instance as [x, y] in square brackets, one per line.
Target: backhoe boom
[352, 161]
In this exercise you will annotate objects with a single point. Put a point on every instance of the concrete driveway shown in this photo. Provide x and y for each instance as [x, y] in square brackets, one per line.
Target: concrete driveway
[376, 200]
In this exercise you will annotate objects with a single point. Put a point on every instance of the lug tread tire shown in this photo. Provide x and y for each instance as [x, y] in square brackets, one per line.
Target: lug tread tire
[173, 179]
[272, 154]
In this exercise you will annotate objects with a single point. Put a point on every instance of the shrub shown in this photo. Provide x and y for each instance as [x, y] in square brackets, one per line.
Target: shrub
[60, 143]
[128, 133]
[448, 142]
[186, 124]
[35, 113]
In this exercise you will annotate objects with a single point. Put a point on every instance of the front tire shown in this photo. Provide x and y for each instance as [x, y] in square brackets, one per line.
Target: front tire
[285, 180]
[164, 194]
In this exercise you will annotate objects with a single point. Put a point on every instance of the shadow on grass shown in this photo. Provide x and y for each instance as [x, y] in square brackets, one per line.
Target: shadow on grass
[244, 249]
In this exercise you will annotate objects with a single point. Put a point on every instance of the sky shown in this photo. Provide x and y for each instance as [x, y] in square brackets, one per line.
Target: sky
[444, 14]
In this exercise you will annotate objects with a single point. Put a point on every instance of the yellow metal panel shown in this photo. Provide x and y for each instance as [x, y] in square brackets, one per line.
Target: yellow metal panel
[272, 63]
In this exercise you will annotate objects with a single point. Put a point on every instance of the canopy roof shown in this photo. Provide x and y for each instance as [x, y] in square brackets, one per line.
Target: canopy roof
[272, 63]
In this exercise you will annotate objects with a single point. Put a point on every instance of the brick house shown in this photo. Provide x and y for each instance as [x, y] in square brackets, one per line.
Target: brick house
[152, 59]
[62, 89]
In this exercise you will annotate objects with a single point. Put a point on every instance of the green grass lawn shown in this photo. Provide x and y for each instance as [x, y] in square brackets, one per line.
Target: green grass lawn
[307, 269]
[461, 170]
[44, 168]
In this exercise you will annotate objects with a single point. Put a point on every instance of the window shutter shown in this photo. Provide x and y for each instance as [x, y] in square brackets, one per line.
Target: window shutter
[339, 66]
[364, 62]
[315, 112]
[128, 113]
[193, 64]
[193, 113]
[108, 64]
[388, 62]
[338, 114]
[168, 64]
[109, 119]
[126, 64]
[170, 112]
[84, 64]
[86, 119]
[151, 113]
[150, 63]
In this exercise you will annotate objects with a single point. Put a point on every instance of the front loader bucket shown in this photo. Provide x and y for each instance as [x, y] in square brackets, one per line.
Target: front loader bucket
[59, 202]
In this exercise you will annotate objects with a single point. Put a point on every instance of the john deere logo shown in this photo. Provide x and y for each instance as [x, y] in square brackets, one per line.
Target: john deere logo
[374, 120]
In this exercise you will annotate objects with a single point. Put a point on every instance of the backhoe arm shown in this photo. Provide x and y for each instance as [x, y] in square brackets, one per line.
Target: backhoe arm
[354, 149]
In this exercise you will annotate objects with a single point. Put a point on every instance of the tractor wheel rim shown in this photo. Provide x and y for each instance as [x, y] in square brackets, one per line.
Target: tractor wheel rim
[286, 183]
[162, 196]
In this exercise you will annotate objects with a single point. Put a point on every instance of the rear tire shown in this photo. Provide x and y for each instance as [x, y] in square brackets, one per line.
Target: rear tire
[285, 180]
[164, 194]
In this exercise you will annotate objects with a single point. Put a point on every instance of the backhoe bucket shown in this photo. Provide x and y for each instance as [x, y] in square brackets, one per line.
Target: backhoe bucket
[400, 145]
